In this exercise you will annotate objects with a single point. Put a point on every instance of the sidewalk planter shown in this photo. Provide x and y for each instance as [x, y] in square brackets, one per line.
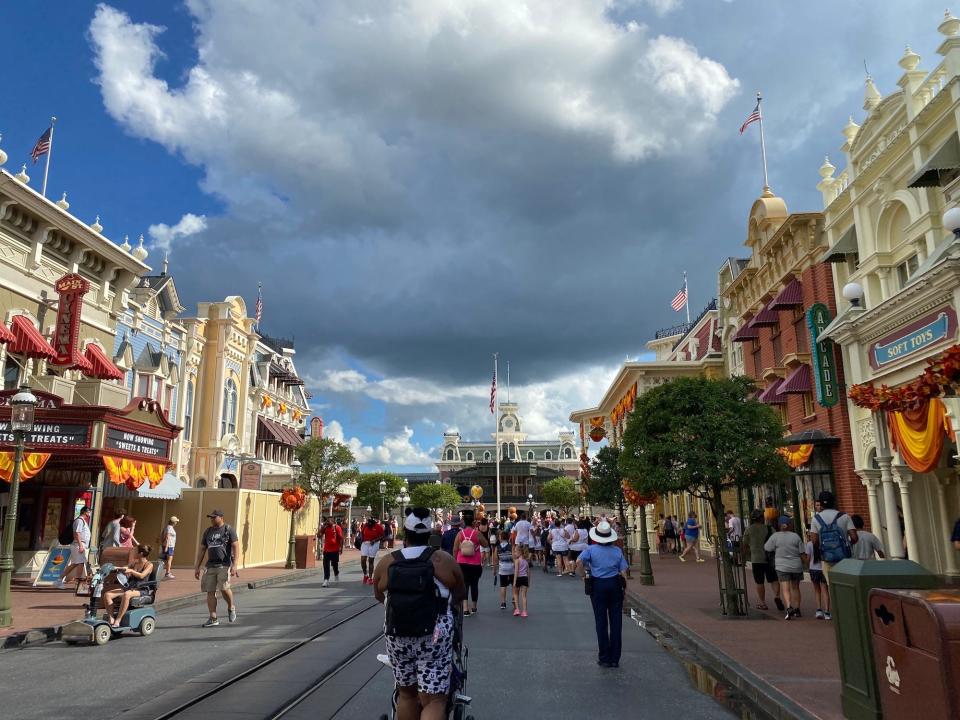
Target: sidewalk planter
[850, 584]
[916, 638]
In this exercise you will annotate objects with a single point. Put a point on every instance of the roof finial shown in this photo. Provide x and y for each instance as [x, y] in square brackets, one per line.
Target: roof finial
[62, 203]
[871, 96]
[140, 252]
[96, 226]
[22, 175]
[166, 262]
[3, 155]
[950, 27]
[126, 247]
[910, 60]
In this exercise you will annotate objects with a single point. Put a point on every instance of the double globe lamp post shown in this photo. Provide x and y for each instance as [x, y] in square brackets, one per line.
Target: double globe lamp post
[292, 547]
[22, 406]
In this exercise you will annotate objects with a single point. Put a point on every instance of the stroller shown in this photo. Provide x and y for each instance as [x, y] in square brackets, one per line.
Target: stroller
[457, 702]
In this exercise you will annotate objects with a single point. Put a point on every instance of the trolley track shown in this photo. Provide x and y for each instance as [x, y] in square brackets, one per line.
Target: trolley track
[183, 709]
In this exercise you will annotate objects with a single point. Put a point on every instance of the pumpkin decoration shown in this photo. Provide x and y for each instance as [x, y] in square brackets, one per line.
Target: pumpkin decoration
[293, 498]
[636, 498]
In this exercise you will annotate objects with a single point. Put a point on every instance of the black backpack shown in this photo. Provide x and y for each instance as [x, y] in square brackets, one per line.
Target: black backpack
[66, 535]
[413, 598]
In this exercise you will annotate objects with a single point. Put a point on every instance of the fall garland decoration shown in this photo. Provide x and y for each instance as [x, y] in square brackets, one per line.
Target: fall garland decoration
[941, 374]
[635, 498]
[293, 498]
[796, 455]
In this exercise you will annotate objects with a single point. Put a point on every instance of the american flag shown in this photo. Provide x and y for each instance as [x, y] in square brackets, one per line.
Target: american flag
[751, 118]
[493, 393]
[680, 299]
[258, 308]
[42, 147]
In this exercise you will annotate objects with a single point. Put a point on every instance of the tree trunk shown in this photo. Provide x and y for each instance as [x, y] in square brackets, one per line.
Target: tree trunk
[731, 600]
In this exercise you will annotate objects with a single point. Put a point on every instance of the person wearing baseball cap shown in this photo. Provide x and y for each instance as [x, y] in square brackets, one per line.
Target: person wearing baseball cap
[604, 569]
[222, 548]
[168, 542]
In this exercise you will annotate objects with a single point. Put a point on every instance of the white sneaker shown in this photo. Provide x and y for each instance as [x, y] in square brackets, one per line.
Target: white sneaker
[323, 584]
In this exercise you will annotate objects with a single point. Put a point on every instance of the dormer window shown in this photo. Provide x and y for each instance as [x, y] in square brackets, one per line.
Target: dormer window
[449, 453]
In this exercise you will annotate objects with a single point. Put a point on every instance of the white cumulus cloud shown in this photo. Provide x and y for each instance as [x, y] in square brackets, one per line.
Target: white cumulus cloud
[163, 235]
[395, 450]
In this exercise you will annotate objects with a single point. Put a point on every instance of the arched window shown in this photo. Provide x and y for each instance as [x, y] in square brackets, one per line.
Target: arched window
[188, 412]
[469, 456]
[567, 453]
[228, 416]
[486, 455]
[201, 482]
[548, 455]
[530, 455]
[449, 453]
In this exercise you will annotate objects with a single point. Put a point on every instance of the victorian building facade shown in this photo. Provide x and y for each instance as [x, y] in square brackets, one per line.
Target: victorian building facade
[898, 280]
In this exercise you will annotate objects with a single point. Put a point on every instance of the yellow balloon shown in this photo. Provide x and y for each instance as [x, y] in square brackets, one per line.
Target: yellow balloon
[476, 492]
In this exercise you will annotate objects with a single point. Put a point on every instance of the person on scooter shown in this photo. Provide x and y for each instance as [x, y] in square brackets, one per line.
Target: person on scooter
[133, 575]
[421, 660]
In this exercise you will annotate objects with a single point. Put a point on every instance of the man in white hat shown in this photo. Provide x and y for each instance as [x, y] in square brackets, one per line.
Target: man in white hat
[604, 567]
[168, 544]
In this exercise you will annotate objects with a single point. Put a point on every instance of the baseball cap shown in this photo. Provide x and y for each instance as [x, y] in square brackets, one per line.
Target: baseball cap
[784, 520]
[174, 519]
[215, 513]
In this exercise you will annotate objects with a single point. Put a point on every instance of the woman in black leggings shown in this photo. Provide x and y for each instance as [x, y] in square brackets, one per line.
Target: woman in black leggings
[466, 549]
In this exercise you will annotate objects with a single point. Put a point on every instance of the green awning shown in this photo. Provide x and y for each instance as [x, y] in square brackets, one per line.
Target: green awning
[942, 167]
[846, 245]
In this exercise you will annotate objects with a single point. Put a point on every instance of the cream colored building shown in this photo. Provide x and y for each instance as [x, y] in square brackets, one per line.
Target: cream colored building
[883, 217]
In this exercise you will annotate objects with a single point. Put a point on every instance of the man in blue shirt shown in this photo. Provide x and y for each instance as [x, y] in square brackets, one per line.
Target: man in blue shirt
[603, 563]
[450, 535]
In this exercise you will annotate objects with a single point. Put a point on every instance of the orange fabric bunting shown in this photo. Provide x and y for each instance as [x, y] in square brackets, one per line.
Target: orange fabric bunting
[133, 473]
[917, 434]
[796, 455]
[32, 464]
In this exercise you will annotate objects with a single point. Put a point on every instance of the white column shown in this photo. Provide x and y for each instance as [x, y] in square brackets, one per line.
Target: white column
[904, 477]
[894, 540]
[871, 480]
[651, 529]
[944, 480]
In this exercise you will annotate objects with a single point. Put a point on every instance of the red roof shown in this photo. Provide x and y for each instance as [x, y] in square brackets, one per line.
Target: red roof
[746, 333]
[790, 296]
[5, 335]
[765, 317]
[772, 396]
[799, 381]
[79, 362]
[100, 365]
[28, 341]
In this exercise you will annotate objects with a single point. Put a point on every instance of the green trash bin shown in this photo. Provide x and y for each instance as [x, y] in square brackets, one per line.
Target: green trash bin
[850, 584]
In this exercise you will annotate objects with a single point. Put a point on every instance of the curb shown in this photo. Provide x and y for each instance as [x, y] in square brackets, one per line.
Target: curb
[39, 636]
[762, 697]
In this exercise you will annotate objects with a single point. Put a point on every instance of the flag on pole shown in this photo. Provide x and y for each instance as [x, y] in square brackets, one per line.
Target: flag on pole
[42, 147]
[751, 118]
[258, 309]
[680, 299]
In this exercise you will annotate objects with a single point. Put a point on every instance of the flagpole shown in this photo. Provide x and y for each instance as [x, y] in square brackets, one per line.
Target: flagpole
[763, 147]
[496, 433]
[686, 293]
[46, 169]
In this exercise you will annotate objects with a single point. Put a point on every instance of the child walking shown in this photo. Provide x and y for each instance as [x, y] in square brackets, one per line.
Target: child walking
[521, 581]
[820, 588]
[503, 558]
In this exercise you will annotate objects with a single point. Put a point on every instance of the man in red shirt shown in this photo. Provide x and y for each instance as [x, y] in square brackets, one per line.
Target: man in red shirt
[331, 536]
[372, 534]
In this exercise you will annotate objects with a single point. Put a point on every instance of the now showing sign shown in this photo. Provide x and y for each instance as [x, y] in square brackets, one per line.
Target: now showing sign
[137, 443]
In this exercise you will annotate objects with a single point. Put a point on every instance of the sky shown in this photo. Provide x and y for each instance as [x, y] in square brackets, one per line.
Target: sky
[420, 184]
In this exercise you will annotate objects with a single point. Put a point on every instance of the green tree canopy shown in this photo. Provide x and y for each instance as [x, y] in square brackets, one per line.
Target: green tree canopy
[325, 466]
[368, 489]
[560, 493]
[434, 495]
[605, 486]
[702, 436]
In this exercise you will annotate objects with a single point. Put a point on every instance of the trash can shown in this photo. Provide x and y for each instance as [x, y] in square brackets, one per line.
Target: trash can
[306, 551]
[916, 641]
[850, 584]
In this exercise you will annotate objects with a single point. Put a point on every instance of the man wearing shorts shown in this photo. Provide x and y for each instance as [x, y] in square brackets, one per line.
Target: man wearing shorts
[222, 547]
[168, 545]
[371, 534]
[78, 548]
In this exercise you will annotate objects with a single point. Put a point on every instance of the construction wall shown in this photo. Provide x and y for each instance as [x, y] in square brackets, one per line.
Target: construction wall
[262, 526]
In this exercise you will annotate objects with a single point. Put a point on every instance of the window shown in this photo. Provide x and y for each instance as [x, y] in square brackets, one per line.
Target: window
[800, 328]
[449, 453]
[469, 456]
[548, 455]
[168, 400]
[143, 386]
[228, 415]
[188, 412]
[567, 454]
[808, 408]
[486, 456]
[530, 455]
[906, 269]
[11, 374]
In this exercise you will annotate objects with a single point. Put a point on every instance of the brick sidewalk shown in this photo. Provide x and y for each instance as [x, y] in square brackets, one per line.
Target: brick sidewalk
[45, 607]
[798, 658]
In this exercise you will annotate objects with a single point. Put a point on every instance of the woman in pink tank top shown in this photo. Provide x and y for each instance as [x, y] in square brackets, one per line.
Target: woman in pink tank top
[470, 561]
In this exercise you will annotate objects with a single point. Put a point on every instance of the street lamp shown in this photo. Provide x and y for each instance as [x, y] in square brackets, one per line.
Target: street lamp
[383, 493]
[530, 506]
[22, 406]
[295, 466]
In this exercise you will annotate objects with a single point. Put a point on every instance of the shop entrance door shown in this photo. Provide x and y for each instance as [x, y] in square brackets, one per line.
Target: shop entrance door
[55, 509]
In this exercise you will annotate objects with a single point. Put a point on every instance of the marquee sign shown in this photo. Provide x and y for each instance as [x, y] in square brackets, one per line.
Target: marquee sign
[137, 443]
[49, 435]
[71, 289]
[824, 358]
[920, 335]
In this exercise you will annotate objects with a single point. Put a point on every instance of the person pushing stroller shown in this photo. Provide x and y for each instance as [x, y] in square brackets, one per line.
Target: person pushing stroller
[420, 586]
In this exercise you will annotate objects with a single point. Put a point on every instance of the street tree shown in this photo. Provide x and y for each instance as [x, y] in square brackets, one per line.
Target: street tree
[605, 487]
[325, 466]
[434, 496]
[560, 493]
[702, 437]
[368, 489]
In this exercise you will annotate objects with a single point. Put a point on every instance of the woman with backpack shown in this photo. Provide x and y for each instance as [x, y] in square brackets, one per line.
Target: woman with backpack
[466, 549]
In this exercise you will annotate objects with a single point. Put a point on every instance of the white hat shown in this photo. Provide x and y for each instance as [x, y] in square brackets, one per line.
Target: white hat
[603, 533]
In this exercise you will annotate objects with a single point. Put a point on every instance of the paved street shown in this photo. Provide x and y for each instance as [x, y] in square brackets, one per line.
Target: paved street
[544, 663]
